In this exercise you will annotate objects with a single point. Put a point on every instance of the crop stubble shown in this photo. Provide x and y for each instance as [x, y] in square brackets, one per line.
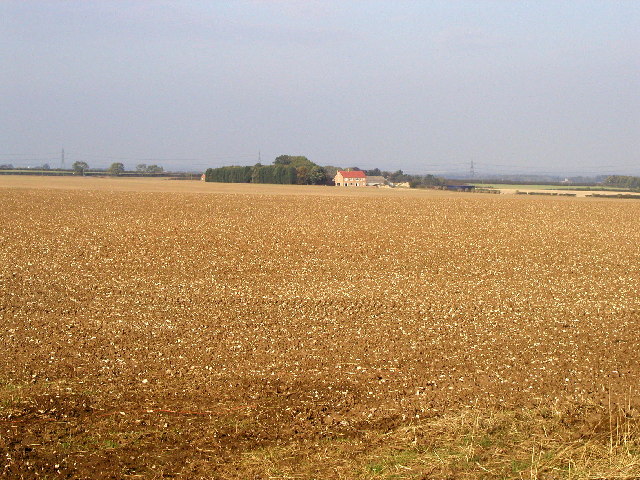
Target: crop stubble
[247, 320]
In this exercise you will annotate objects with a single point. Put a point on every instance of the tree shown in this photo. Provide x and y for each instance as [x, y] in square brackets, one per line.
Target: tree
[623, 181]
[317, 175]
[330, 172]
[307, 172]
[229, 174]
[302, 175]
[310, 175]
[282, 160]
[46, 167]
[116, 168]
[399, 176]
[80, 167]
[425, 181]
[154, 169]
[6, 166]
[144, 168]
[293, 160]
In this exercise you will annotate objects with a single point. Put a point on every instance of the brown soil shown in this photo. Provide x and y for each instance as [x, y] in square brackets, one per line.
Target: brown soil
[158, 329]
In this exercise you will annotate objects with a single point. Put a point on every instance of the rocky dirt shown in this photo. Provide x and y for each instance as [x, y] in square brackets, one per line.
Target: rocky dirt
[157, 334]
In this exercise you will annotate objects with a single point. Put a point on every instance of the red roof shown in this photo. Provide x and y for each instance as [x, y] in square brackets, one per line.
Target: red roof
[353, 174]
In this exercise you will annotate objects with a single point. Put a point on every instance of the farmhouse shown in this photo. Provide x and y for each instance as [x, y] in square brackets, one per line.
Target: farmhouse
[355, 178]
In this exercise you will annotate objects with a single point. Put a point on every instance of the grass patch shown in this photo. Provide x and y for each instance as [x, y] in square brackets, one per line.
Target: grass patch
[110, 444]
[536, 443]
[526, 443]
[80, 443]
[10, 397]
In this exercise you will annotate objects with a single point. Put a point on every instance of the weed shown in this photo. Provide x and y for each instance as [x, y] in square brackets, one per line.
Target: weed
[110, 444]
[519, 465]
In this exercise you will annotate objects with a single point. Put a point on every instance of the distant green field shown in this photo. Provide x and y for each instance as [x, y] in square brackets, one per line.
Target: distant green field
[514, 186]
[34, 171]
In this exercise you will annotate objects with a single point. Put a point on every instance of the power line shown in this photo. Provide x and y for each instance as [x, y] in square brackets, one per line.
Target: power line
[33, 155]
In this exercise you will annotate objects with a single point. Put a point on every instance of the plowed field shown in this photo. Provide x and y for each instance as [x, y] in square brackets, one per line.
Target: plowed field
[163, 329]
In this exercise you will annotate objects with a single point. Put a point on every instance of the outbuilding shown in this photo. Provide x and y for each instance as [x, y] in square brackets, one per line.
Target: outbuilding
[461, 188]
[376, 181]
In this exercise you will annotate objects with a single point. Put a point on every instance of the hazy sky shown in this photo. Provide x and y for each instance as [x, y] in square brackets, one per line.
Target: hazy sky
[425, 86]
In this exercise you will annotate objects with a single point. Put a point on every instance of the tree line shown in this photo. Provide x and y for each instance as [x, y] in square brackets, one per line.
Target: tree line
[286, 170]
[116, 168]
[282, 174]
[79, 168]
[623, 181]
